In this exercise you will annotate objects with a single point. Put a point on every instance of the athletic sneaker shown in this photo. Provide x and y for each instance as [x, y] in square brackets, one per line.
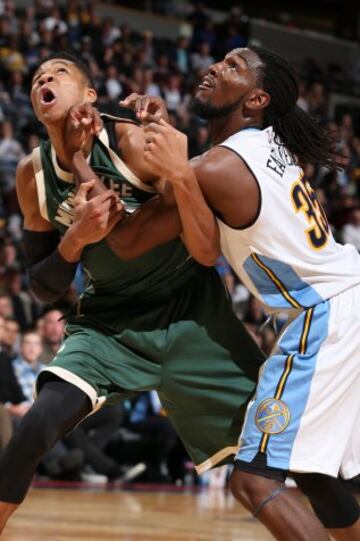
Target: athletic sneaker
[88, 475]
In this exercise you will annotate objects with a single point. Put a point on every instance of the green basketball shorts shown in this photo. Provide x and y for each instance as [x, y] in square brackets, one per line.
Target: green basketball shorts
[191, 349]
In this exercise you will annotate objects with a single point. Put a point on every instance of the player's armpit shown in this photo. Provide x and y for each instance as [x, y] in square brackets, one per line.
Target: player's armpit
[28, 198]
[229, 187]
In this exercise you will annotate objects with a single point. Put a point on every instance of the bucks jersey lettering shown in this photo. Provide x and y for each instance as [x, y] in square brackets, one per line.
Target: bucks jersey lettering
[65, 210]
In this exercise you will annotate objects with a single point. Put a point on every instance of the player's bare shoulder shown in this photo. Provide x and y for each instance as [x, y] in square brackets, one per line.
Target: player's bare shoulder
[27, 196]
[25, 181]
[218, 159]
[229, 186]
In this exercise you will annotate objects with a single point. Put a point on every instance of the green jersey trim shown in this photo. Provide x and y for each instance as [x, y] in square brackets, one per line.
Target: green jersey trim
[63, 175]
[129, 175]
[116, 160]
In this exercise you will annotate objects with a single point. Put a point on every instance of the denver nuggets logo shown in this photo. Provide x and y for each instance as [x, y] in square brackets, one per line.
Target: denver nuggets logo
[272, 416]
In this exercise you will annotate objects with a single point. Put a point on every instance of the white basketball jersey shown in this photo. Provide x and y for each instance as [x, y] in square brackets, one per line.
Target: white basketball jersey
[288, 258]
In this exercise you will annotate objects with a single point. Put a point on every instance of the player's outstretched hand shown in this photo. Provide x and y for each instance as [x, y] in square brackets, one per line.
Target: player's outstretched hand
[166, 151]
[82, 122]
[95, 218]
[147, 108]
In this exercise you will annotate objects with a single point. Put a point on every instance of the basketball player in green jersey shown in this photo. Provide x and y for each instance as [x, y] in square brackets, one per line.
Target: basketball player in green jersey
[160, 321]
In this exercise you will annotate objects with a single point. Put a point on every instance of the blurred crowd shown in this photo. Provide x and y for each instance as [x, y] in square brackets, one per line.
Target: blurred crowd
[124, 61]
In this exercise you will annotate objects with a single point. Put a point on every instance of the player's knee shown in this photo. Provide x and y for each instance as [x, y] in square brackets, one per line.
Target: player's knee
[36, 434]
[250, 489]
[334, 504]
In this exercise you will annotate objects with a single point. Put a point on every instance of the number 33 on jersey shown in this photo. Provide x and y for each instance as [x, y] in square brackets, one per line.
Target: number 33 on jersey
[304, 200]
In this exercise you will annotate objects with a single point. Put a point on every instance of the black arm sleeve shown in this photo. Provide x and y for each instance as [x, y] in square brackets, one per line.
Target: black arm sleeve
[50, 275]
[10, 390]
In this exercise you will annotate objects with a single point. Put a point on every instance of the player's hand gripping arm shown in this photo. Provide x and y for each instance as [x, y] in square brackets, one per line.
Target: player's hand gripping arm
[166, 152]
[51, 260]
[152, 224]
[199, 229]
[130, 238]
[147, 108]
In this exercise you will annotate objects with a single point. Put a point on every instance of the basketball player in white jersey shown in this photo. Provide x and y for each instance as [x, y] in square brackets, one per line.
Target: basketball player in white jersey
[305, 416]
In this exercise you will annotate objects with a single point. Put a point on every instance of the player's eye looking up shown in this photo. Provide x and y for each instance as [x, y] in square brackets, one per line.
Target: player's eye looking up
[37, 78]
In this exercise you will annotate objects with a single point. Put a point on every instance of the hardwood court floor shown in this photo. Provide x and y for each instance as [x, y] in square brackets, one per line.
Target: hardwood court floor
[70, 515]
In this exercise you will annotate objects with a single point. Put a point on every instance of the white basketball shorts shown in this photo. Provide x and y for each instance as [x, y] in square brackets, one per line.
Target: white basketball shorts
[305, 416]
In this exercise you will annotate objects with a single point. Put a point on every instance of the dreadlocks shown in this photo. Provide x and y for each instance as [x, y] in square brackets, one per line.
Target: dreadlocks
[305, 139]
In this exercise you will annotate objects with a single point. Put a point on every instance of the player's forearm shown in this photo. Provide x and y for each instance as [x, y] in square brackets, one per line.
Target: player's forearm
[83, 173]
[70, 246]
[51, 269]
[199, 228]
[149, 226]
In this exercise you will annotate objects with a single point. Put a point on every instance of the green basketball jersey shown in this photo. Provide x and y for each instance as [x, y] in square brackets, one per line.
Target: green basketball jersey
[112, 280]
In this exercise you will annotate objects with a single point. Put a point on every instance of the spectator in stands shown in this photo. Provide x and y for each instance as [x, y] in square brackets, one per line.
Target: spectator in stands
[2, 329]
[202, 59]
[53, 334]
[27, 364]
[313, 100]
[199, 16]
[112, 83]
[346, 128]
[91, 437]
[162, 67]
[13, 59]
[11, 152]
[351, 230]
[17, 379]
[255, 312]
[8, 253]
[23, 306]
[6, 307]
[146, 418]
[150, 87]
[180, 55]
[148, 48]
[201, 142]
[226, 274]
[11, 338]
[55, 22]
[110, 32]
[172, 93]
[5, 426]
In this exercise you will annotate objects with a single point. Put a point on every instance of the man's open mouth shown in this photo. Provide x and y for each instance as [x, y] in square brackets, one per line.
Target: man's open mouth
[47, 96]
[207, 82]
